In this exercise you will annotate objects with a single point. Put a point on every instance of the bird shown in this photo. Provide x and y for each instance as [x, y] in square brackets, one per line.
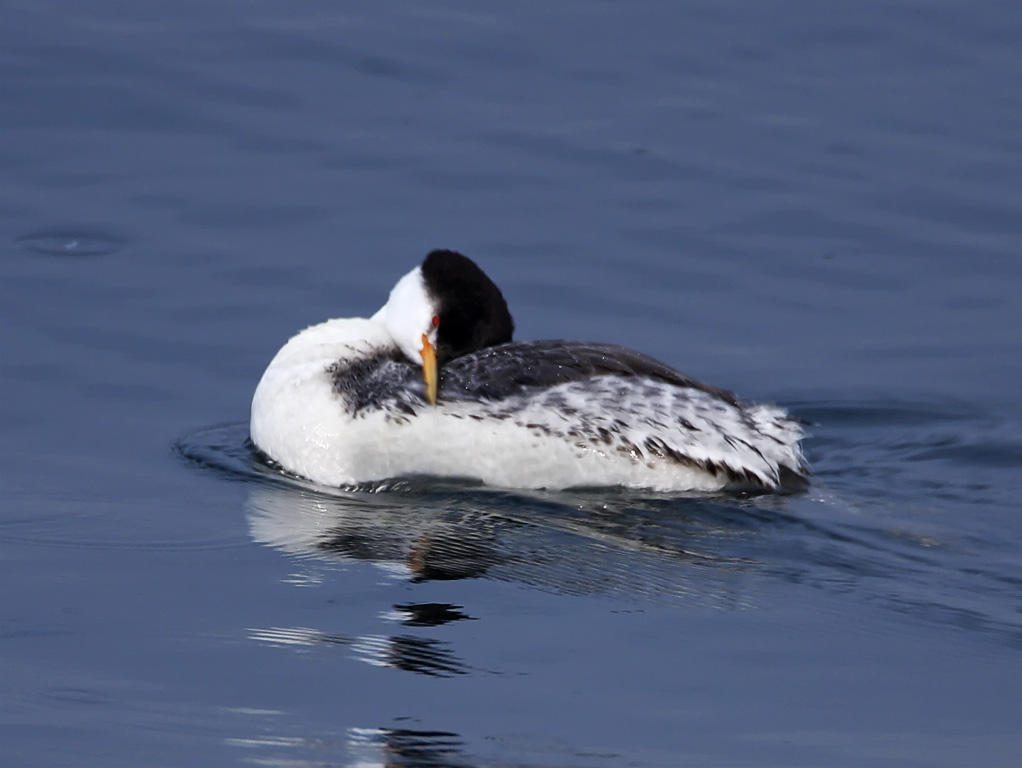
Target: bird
[434, 385]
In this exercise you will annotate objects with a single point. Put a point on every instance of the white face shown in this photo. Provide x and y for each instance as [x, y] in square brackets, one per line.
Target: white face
[408, 314]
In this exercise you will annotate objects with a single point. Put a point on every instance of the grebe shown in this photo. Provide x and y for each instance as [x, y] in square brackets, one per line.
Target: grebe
[432, 384]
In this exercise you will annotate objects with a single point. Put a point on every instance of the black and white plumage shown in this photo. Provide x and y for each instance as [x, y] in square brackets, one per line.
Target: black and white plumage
[351, 400]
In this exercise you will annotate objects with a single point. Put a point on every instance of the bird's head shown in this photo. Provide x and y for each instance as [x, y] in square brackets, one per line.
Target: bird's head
[442, 309]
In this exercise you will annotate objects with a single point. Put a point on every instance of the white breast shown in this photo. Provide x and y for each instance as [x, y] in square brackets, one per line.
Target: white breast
[297, 419]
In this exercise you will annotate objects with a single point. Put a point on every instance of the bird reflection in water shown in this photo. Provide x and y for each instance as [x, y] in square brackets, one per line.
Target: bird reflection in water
[397, 746]
[428, 614]
[626, 547]
[406, 747]
[666, 549]
[424, 656]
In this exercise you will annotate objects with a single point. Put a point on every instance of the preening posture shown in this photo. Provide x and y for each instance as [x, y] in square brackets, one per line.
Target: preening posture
[433, 384]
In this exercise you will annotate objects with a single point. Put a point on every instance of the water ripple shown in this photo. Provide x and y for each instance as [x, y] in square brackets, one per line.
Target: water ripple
[880, 521]
[422, 655]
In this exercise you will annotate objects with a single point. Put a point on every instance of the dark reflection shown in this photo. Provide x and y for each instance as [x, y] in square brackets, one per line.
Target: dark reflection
[430, 614]
[407, 748]
[438, 559]
[424, 656]
[430, 557]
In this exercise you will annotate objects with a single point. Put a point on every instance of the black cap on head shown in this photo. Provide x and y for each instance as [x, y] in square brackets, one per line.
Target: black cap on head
[471, 308]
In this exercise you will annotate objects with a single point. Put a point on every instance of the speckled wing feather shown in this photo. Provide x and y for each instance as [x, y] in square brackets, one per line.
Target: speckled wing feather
[595, 396]
[657, 423]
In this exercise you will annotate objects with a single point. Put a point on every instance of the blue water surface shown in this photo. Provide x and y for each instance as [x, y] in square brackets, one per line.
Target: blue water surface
[815, 204]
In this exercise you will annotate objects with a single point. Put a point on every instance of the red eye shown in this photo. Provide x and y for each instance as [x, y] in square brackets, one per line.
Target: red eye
[436, 321]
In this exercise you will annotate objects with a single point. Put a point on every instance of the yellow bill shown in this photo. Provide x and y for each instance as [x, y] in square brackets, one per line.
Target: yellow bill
[429, 370]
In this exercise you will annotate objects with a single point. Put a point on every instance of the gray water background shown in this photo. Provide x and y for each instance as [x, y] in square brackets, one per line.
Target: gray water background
[816, 204]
